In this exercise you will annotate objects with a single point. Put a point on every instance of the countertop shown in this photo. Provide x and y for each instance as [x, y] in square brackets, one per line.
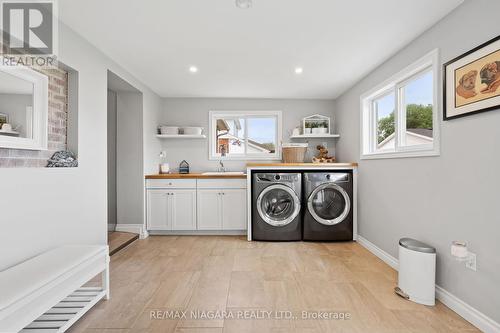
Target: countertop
[250, 165]
[194, 176]
[318, 165]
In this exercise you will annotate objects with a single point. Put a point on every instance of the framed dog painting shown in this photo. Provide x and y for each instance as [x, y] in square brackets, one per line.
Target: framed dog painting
[472, 81]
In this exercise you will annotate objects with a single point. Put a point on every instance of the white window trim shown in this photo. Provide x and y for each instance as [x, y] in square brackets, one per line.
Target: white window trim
[213, 115]
[430, 60]
[40, 110]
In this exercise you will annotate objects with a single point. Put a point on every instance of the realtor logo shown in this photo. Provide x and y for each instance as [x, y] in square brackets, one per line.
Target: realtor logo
[28, 27]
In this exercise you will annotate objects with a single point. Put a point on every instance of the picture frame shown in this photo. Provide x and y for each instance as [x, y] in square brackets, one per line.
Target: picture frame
[471, 81]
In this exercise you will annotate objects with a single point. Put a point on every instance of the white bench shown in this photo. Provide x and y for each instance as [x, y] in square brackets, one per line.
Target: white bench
[45, 293]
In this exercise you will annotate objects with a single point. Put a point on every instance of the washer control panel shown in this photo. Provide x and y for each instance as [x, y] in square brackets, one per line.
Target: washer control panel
[278, 177]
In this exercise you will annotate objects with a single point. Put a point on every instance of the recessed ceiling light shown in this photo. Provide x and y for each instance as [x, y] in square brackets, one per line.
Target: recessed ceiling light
[193, 69]
[244, 4]
[299, 70]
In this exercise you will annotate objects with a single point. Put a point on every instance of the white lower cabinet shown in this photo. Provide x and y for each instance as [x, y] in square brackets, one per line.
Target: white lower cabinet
[183, 208]
[209, 210]
[201, 208]
[158, 210]
[171, 209]
[234, 209]
[222, 209]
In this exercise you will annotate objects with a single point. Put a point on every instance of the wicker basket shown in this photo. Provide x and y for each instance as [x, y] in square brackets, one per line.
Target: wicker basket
[294, 152]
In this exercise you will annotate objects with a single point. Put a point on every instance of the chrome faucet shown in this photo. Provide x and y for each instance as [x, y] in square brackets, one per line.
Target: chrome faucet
[221, 167]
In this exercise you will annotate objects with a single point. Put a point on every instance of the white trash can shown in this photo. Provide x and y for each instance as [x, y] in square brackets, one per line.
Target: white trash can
[417, 271]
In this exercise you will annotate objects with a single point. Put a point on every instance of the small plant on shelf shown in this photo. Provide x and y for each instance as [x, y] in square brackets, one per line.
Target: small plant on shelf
[307, 128]
[316, 124]
[323, 127]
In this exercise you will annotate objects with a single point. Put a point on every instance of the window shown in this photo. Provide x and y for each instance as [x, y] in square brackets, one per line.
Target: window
[245, 135]
[399, 118]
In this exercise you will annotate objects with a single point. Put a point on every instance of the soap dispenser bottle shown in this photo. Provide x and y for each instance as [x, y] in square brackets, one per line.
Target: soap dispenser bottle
[164, 167]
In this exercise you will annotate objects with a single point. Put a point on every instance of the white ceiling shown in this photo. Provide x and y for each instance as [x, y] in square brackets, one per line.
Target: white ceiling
[117, 84]
[251, 53]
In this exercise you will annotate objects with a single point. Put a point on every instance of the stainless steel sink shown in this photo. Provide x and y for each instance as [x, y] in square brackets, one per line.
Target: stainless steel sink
[224, 173]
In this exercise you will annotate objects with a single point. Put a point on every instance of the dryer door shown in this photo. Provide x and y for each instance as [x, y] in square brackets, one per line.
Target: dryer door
[329, 204]
[278, 205]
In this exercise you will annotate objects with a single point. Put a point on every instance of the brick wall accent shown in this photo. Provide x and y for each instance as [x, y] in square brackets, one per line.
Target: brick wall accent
[57, 125]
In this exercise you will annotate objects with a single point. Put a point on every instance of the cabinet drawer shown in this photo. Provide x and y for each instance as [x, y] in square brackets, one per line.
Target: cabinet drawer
[222, 183]
[170, 183]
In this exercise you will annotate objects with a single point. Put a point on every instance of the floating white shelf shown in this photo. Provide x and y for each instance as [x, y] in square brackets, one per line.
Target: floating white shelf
[315, 136]
[181, 136]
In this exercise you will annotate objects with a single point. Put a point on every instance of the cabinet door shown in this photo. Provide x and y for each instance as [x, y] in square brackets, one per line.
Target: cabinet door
[234, 209]
[158, 210]
[209, 209]
[183, 209]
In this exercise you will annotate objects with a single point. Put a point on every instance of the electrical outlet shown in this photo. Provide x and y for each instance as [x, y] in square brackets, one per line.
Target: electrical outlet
[471, 262]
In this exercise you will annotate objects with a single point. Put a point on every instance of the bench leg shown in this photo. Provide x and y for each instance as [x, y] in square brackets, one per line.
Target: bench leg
[105, 280]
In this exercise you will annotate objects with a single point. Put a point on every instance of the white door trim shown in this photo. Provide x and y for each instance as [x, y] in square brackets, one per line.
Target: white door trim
[133, 228]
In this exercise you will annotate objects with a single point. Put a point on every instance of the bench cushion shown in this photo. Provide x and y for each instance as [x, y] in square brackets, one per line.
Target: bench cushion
[21, 280]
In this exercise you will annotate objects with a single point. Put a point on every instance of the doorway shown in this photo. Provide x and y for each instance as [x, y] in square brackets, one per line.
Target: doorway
[125, 162]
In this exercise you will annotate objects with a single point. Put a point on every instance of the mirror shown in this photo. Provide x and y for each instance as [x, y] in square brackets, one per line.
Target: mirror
[23, 108]
[16, 106]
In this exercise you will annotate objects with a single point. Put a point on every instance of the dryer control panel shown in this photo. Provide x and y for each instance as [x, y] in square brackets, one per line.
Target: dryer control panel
[334, 177]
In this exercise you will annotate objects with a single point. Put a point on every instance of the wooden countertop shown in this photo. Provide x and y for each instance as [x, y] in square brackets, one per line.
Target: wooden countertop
[318, 165]
[250, 165]
[194, 176]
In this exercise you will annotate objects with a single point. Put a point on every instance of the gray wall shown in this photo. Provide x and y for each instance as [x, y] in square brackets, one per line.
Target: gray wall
[129, 158]
[437, 199]
[194, 112]
[45, 207]
[112, 118]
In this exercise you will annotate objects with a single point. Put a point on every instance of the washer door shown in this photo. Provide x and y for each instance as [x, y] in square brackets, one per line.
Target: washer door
[329, 204]
[278, 205]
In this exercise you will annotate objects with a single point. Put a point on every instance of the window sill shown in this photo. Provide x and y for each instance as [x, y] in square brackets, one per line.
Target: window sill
[401, 154]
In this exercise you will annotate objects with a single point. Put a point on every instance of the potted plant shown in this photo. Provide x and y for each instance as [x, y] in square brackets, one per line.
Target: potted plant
[315, 128]
[308, 128]
[316, 124]
[323, 126]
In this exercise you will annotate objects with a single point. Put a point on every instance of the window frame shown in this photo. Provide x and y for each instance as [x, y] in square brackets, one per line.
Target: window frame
[396, 84]
[214, 115]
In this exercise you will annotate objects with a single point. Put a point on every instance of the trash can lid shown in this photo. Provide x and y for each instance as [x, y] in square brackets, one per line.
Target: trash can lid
[415, 245]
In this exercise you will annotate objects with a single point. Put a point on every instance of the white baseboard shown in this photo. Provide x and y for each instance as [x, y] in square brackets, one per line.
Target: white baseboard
[381, 254]
[472, 315]
[133, 228]
[199, 232]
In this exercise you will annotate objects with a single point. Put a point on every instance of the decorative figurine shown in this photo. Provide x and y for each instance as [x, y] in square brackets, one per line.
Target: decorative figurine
[323, 156]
